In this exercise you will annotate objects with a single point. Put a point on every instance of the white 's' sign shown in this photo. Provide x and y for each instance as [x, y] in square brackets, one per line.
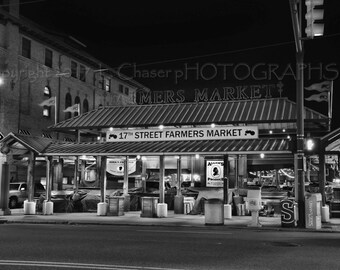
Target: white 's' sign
[183, 134]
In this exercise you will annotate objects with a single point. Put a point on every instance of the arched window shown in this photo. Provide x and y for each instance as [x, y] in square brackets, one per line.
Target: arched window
[77, 101]
[68, 103]
[85, 106]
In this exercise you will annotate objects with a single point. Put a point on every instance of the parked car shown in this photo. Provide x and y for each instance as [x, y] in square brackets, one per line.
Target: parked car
[18, 193]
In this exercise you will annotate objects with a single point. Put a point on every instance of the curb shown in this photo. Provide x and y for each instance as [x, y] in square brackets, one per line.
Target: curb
[326, 229]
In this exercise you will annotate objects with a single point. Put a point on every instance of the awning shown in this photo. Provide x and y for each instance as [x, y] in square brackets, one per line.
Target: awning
[170, 147]
[19, 144]
[278, 110]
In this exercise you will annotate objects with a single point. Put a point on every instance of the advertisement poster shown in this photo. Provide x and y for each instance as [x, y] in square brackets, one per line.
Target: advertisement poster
[214, 173]
[116, 166]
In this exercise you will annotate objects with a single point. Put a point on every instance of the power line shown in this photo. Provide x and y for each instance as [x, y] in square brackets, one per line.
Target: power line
[227, 52]
[218, 53]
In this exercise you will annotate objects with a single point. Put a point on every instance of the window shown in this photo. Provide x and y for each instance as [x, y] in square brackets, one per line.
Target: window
[101, 82]
[85, 106]
[26, 48]
[126, 90]
[76, 101]
[82, 73]
[48, 58]
[74, 69]
[68, 103]
[107, 85]
[47, 111]
[121, 88]
[47, 91]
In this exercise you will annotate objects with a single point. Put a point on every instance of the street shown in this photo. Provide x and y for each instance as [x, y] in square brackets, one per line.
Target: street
[33, 246]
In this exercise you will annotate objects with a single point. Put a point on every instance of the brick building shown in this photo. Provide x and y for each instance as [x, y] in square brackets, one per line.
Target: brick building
[37, 64]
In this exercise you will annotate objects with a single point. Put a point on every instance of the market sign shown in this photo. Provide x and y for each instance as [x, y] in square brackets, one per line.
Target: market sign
[214, 173]
[116, 166]
[183, 134]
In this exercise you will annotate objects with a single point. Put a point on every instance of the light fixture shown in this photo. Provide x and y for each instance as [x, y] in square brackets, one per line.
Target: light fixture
[2, 81]
[98, 138]
[161, 127]
[213, 125]
[138, 156]
[288, 137]
[270, 132]
[261, 155]
[197, 156]
[111, 128]
[283, 130]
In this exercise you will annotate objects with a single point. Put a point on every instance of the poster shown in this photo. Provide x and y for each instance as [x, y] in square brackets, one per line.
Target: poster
[116, 166]
[215, 169]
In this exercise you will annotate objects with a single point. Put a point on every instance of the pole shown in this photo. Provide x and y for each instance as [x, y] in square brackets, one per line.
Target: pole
[300, 139]
[296, 13]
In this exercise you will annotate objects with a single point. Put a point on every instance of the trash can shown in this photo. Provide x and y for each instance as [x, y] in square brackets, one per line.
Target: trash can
[149, 206]
[214, 212]
[313, 211]
[116, 206]
[289, 213]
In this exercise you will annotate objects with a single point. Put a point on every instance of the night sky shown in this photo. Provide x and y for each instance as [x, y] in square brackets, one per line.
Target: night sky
[172, 36]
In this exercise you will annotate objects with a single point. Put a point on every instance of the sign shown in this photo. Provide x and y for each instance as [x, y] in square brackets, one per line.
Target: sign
[183, 134]
[223, 93]
[215, 169]
[116, 166]
[288, 215]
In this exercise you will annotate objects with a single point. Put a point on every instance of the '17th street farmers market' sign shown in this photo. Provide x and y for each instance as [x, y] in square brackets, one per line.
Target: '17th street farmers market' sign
[183, 134]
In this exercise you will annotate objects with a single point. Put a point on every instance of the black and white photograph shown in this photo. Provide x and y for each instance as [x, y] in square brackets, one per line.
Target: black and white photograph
[169, 135]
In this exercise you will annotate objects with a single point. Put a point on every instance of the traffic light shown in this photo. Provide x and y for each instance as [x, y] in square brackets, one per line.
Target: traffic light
[314, 14]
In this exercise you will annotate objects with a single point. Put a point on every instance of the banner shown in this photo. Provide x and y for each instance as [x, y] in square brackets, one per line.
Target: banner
[214, 170]
[183, 134]
[116, 166]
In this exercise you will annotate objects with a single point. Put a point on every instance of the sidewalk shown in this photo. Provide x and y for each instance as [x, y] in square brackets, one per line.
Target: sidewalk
[133, 218]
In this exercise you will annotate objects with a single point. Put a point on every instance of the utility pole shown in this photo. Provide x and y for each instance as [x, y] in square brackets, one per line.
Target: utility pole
[312, 29]
[296, 13]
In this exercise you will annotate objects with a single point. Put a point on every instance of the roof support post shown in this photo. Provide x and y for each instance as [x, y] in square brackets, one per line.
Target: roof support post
[76, 173]
[4, 189]
[322, 173]
[179, 172]
[126, 185]
[30, 176]
[49, 175]
[161, 179]
[102, 178]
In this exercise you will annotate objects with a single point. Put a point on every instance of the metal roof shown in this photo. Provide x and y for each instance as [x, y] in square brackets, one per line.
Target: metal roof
[169, 147]
[226, 112]
[35, 144]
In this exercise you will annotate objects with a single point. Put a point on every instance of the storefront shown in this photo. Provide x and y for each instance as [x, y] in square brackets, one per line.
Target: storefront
[166, 147]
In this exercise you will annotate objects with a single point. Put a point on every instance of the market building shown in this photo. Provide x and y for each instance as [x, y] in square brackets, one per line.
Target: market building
[169, 149]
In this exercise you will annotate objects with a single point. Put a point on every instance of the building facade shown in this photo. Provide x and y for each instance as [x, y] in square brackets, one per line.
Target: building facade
[38, 65]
